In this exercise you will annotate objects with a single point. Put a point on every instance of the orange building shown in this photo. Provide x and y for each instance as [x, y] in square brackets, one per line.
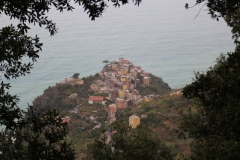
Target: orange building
[121, 103]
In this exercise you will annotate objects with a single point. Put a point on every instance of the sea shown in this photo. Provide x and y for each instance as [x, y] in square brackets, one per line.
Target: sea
[161, 36]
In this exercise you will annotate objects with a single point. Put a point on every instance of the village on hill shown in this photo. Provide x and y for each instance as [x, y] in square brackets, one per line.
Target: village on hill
[121, 92]
[120, 79]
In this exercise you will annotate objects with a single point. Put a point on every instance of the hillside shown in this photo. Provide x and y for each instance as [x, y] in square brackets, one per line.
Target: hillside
[125, 90]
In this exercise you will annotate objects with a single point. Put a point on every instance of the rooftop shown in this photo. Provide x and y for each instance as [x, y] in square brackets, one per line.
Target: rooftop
[95, 98]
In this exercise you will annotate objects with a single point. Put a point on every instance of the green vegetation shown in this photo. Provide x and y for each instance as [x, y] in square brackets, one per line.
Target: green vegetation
[140, 143]
[75, 75]
[160, 115]
[215, 121]
[212, 122]
[57, 97]
[157, 86]
[36, 136]
[105, 61]
[101, 94]
[219, 8]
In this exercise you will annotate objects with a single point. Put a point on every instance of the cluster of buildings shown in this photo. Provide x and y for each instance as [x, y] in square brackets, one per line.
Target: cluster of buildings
[176, 93]
[120, 79]
[71, 81]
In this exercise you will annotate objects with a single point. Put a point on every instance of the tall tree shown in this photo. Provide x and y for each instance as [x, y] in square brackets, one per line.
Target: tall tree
[28, 134]
[75, 75]
[38, 136]
[233, 21]
[215, 125]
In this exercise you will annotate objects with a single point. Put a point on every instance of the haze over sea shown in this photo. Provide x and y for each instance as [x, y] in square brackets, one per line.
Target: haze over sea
[160, 35]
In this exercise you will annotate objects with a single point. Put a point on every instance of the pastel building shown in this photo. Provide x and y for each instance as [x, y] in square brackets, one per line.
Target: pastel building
[148, 98]
[71, 81]
[125, 87]
[146, 81]
[74, 81]
[111, 113]
[123, 79]
[134, 121]
[121, 93]
[125, 71]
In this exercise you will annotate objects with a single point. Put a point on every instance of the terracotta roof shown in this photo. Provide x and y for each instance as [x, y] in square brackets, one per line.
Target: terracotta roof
[95, 98]
[112, 109]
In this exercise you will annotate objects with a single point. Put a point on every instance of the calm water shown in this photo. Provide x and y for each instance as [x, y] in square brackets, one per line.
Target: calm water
[161, 36]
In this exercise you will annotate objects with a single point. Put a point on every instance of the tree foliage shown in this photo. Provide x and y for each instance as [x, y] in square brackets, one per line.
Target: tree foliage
[13, 47]
[128, 144]
[218, 8]
[215, 125]
[37, 136]
[75, 75]
[157, 86]
[35, 12]
[105, 61]
[27, 134]
[101, 94]
[229, 10]
[233, 21]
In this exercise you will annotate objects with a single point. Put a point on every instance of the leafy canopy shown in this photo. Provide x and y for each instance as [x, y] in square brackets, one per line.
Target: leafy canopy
[128, 144]
[218, 8]
[105, 61]
[215, 125]
[35, 12]
[75, 75]
[37, 136]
